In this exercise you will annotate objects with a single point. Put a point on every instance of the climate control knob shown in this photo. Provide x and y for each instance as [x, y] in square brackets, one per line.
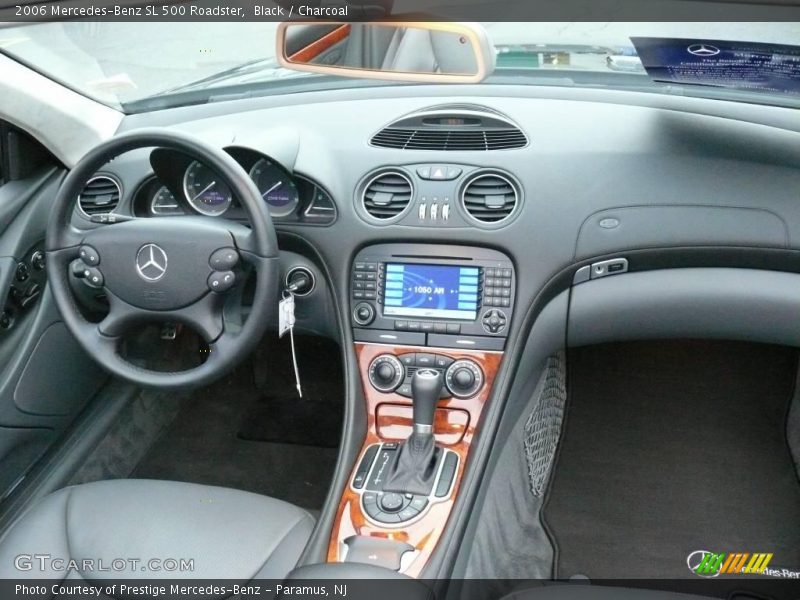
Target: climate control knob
[386, 373]
[463, 378]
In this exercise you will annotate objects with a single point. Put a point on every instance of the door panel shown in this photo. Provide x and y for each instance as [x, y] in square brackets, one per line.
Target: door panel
[45, 378]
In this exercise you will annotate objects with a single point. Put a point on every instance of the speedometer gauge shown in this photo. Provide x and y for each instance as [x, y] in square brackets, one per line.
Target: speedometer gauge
[276, 187]
[205, 191]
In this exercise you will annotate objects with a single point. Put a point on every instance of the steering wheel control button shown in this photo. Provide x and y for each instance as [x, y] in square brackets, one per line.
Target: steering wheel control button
[221, 281]
[224, 259]
[386, 373]
[494, 321]
[463, 378]
[391, 502]
[93, 277]
[363, 313]
[89, 255]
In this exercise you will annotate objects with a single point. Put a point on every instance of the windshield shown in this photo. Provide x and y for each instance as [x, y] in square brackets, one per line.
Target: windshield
[125, 65]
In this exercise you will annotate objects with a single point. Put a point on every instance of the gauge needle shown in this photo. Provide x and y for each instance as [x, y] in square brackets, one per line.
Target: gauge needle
[204, 190]
[273, 188]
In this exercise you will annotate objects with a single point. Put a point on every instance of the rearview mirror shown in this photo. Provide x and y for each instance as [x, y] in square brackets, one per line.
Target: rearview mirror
[420, 52]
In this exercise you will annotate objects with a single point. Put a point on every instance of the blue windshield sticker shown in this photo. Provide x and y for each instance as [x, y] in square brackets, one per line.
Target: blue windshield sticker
[751, 66]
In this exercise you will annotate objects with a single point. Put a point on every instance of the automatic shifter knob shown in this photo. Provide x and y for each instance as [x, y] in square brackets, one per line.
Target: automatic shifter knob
[426, 385]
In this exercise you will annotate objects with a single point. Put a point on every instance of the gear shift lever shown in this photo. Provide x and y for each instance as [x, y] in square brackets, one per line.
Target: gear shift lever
[414, 469]
[426, 385]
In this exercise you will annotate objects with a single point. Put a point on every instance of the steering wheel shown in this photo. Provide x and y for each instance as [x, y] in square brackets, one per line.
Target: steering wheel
[174, 269]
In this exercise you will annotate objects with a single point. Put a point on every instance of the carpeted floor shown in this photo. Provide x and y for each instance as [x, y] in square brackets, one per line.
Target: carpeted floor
[250, 431]
[669, 448]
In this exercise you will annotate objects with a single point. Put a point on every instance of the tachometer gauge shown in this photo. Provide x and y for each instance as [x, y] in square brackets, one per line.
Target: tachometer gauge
[164, 203]
[276, 186]
[205, 191]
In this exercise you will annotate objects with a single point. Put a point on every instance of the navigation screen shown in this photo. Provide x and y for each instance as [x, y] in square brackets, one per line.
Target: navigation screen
[431, 291]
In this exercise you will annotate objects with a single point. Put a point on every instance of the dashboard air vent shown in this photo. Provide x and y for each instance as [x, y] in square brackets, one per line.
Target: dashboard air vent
[387, 195]
[490, 197]
[452, 128]
[100, 196]
[444, 139]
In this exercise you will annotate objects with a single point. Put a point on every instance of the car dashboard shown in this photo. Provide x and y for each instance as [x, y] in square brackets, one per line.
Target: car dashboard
[437, 220]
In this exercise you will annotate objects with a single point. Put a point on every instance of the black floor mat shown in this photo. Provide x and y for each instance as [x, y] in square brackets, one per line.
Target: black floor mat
[279, 415]
[670, 448]
[285, 456]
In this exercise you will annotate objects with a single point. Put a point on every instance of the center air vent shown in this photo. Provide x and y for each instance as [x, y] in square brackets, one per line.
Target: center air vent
[490, 197]
[100, 196]
[452, 128]
[387, 195]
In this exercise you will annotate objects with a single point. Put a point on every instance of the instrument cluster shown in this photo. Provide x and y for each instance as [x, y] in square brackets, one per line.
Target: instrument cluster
[183, 186]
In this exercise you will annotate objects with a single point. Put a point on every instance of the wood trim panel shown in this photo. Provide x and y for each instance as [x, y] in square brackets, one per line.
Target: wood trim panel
[424, 532]
[395, 422]
[317, 47]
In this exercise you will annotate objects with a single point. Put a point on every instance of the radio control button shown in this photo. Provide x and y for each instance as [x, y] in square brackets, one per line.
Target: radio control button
[453, 328]
[359, 275]
[440, 327]
[506, 273]
[426, 326]
[413, 325]
[401, 325]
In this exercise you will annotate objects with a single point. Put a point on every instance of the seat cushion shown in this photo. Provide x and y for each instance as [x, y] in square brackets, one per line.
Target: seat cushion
[226, 533]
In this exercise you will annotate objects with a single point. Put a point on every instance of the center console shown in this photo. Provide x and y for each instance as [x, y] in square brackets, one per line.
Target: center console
[430, 325]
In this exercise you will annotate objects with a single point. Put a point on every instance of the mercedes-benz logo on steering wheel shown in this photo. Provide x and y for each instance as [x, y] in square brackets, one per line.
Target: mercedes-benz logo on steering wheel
[151, 262]
[703, 50]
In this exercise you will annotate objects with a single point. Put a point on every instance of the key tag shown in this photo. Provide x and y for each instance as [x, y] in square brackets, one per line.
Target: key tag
[285, 313]
[286, 323]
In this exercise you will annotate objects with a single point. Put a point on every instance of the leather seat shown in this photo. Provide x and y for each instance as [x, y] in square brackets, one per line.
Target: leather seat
[226, 533]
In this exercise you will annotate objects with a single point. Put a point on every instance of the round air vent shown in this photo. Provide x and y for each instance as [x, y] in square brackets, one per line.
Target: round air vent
[490, 197]
[100, 196]
[387, 195]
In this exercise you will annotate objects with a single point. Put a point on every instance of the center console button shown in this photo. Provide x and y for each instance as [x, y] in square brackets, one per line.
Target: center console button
[442, 362]
[425, 360]
[426, 326]
[419, 503]
[413, 325]
[408, 359]
[453, 328]
[440, 327]
[391, 502]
